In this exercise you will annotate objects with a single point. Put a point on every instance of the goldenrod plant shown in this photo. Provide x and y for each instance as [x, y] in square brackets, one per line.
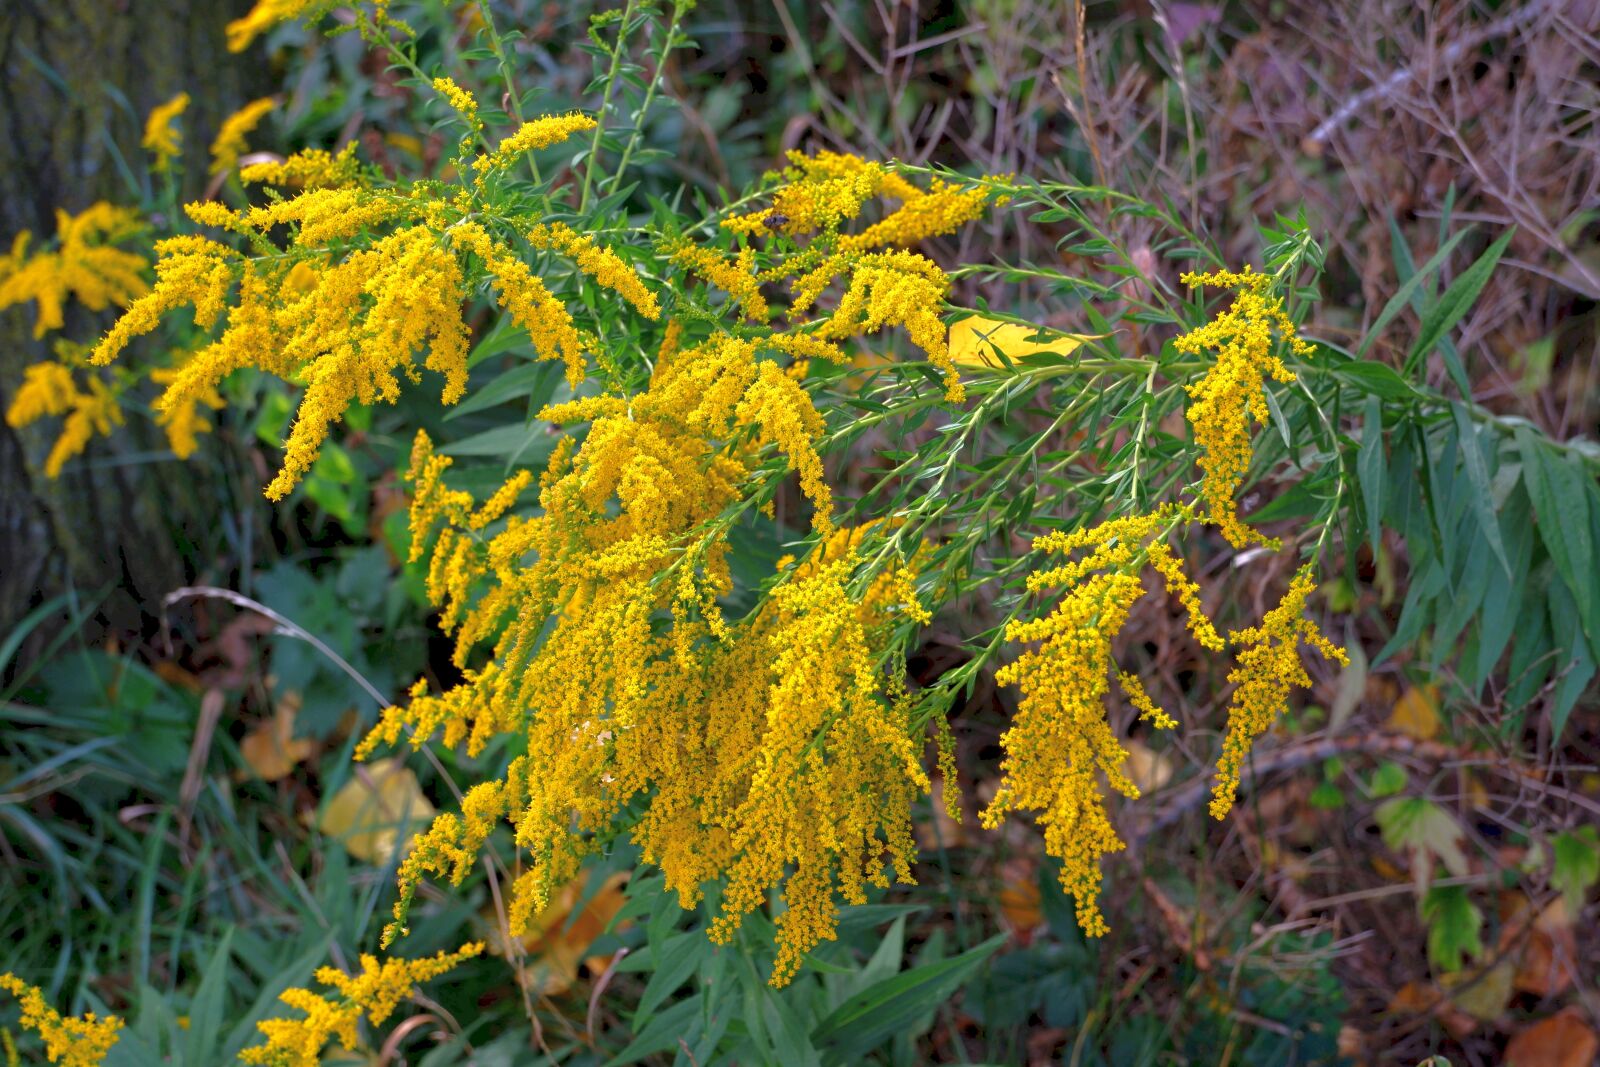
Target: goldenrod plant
[680, 587]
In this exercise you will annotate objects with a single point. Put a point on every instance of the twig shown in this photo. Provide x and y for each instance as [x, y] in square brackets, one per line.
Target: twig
[1501, 27]
[1190, 794]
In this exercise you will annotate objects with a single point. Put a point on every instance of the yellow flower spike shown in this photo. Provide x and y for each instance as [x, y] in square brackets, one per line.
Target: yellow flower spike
[602, 264]
[264, 16]
[1269, 666]
[230, 141]
[943, 209]
[310, 168]
[68, 1041]
[736, 278]
[529, 301]
[49, 389]
[542, 132]
[1060, 742]
[784, 412]
[1232, 393]
[83, 266]
[1148, 710]
[374, 993]
[464, 102]
[161, 138]
[889, 289]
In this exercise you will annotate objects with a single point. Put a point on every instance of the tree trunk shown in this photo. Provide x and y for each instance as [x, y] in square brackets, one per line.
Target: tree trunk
[77, 78]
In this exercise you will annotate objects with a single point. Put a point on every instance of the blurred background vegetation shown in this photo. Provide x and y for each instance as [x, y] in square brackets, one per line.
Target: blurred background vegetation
[182, 832]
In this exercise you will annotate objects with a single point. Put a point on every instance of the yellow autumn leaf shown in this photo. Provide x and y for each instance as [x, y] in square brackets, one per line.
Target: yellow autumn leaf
[1416, 713]
[1147, 768]
[557, 941]
[377, 810]
[271, 750]
[973, 341]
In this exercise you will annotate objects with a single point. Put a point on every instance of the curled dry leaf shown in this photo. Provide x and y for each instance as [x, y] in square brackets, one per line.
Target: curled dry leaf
[270, 749]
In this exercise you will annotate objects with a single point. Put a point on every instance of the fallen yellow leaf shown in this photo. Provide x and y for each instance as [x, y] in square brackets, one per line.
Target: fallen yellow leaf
[1416, 713]
[376, 813]
[973, 341]
[558, 941]
[1147, 768]
[271, 750]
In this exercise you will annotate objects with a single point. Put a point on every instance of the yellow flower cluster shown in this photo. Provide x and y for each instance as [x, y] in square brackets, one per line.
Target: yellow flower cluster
[526, 298]
[603, 265]
[736, 278]
[1269, 665]
[348, 309]
[885, 286]
[83, 265]
[542, 132]
[230, 142]
[1232, 393]
[264, 16]
[310, 168]
[373, 993]
[828, 189]
[68, 1041]
[766, 749]
[48, 390]
[161, 137]
[345, 340]
[1060, 741]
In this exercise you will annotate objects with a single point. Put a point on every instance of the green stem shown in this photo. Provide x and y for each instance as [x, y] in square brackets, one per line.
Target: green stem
[605, 105]
[649, 95]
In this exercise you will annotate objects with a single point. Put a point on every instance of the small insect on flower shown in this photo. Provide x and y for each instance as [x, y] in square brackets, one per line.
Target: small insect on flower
[775, 220]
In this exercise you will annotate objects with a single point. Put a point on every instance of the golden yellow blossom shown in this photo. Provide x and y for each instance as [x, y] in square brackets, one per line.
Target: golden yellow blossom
[888, 289]
[374, 993]
[541, 132]
[179, 412]
[1147, 708]
[601, 264]
[763, 749]
[48, 389]
[160, 136]
[737, 278]
[310, 168]
[944, 209]
[1269, 666]
[531, 305]
[1059, 742]
[264, 16]
[68, 1041]
[1232, 393]
[230, 142]
[84, 265]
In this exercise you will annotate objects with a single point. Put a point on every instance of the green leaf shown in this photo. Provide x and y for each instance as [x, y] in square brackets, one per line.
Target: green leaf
[675, 960]
[1454, 926]
[1376, 379]
[1577, 865]
[865, 1020]
[1456, 301]
[1387, 780]
[1402, 296]
[1560, 506]
[1418, 826]
[1482, 499]
[1370, 467]
[205, 1013]
[679, 1022]
[1326, 797]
